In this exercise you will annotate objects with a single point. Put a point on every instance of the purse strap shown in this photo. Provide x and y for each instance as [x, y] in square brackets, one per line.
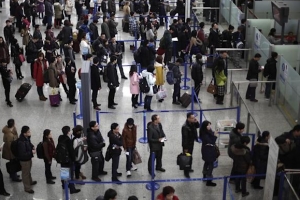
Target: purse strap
[212, 79]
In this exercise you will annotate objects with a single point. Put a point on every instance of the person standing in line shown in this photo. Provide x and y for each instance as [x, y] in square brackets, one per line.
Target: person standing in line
[113, 81]
[115, 145]
[48, 12]
[4, 52]
[150, 77]
[134, 85]
[40, 65]
[156, 138]
[197, 75]
[270, 72]
[252, 75]
[234, 138]
[177, 76]
[115, 50]
[9, 32]
[129, 144]
[71, 80]
[220, 81]
[160, 73]
[189, 136]
[96, 143]
[65, 138]
[208, 150]
[25, 155]
[49, 149]
[68, 9]
[95, 82]
[10, 134]
[6, 75]
[32, 53]
[2, 188]
[16, 52]
[53, 75]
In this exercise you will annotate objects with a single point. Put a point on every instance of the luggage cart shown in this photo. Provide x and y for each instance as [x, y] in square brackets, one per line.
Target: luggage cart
[225, 126]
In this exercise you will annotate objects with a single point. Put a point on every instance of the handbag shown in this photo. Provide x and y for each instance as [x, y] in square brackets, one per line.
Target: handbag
[217, 151]
[184, 161]
[212, 89]
[251, 170]
[21, 57]
[136, 157]
[161, 94]
[253, 84]
[108, 153]
[13, 166]
[155, 89]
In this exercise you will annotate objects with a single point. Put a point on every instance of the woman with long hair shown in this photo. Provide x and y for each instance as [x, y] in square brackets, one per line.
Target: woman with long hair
[159, 73]
[40, 66]
[195, 43]
[49, 149]
[271, 37]
[208, 150]
[134, 85]
[6, 75]
[197, 75]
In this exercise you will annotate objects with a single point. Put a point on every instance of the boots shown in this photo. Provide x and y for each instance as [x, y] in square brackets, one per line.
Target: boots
[82, 176]
[43, 98]
[210, 183]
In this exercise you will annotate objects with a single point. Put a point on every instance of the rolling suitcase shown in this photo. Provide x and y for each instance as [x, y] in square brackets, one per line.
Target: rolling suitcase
[22, 91]
[185, 100]
[54, 100]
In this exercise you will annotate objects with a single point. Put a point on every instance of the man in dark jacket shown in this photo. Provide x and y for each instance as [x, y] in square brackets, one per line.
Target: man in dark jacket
[115, 49]
[37, 34]
[9, 32]
[197, 75]
[168, 44]
[241, 162]
[252, 75]
[94, 30]
[105, 28]
[65, 138]
[189, 135]
[213, 38]
[31, 53]
[112, 25]
[95, 82]
[113, 81]
[156, 138]
[96, 143]
[111, 6]
[48, 12]
[71, 80]
[25, 154]
[177, 76]
[270, 72]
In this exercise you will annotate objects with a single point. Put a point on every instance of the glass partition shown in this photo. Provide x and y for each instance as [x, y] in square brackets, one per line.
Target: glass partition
[260, 45]
[225, 10]
[236, 16]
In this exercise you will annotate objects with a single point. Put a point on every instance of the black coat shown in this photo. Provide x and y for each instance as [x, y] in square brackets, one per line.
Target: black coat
[69, 143]
[112, 75]
[38, 34]
[5, 73]
[189, 134]
[176, 73]
[145, 62]
[270, 70]
[197, 73]
[70, 73]
[95, 141]
[241, 158]
[208, 146]
[214, 39]
[253, 70]
[153, 136]
[9, 33]
[116, 49]
[95, 78]
[25, 148]
[66, 34]
[94, 31]
[31, 52]
[115, 140]
[260, 156]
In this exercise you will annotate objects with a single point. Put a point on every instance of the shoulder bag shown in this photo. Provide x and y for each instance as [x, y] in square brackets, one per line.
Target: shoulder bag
[212, 88]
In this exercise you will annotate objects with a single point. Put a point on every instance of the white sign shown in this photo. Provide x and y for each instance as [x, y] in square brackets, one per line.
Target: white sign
[271, 169]
[257, 38]
[283, 72]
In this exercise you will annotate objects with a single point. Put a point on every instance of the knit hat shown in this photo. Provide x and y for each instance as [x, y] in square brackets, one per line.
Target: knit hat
[130, 121]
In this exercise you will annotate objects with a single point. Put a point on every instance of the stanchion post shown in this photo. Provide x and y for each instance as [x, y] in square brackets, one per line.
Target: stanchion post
[152, 185]
[281, 183]
[80, 116]
[66, 189]
[201, 117]
[98, 117]
[231, 94]
[74, 118]
[225, 187]
[252, 142]
[192, 100]
[144, 139]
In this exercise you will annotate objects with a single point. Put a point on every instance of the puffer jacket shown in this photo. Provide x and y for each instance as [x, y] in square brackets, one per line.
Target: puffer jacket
[234, 138]
[8, 137]
[129, 137]
[260, 156]
[241, 158]
[25, 148]
[150, 80]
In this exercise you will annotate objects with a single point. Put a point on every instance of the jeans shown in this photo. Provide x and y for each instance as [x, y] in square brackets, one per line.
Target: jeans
[48, 172]
[176, 92]
[158, 157]
[147, 102]
[115, 165]
[111, 96]
[208, 169]
[250, 94]
[269, 88]
[168, 55]
[97, 165]
[40, 91]
[129, 158]
[49, 20]
[119, 61]
[18, 70]
[77, 167]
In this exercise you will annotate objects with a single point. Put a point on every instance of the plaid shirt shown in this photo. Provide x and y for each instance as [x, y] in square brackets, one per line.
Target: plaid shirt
[133, 26]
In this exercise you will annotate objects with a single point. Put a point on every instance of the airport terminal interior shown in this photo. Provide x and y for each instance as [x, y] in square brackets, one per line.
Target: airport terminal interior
[39, 115]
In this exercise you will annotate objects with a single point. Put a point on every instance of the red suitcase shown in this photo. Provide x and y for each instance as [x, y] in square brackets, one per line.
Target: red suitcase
[76, 47]
[22, 91]
[54, 100]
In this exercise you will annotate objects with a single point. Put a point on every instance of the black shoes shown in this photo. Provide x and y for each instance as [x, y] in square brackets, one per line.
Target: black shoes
[33, 183]
[96, 179]
[17, 180]
[134, 106]
[245, 194]
[103, 173]
[187, 175]
[4, 194]
[119, 174]
[75, 191]
[177, 103]
[50, 182]
[149, 110]
[111, 107]
[124, 77]
[53, 177]
[9, 104]
[97, 108]
[254, 100]
[258, 187]
[115, 104]
[210, 183]
[117, 181]
[29, 191]
[73, 102]
[160, 169]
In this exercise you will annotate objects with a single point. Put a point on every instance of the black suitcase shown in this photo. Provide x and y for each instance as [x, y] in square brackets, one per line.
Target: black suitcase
[22, 91]
[13, 166]
[185, 100]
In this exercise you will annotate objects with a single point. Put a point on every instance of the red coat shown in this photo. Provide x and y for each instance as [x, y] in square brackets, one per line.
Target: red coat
[161, 197]
[38, 72]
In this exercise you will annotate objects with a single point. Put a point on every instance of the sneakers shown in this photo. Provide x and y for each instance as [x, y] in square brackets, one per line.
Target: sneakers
[133, 168]
[128, 173]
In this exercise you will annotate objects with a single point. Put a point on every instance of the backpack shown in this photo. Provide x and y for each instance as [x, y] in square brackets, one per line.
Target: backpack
[46, 76]
[40, 150]
[14, 147]
[170, 77]
[162, 43]
[144, 87]
[81, 155]
[61, 153]
[137, 55]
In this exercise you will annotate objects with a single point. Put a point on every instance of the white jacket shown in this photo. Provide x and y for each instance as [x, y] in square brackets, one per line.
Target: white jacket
[150, 80]
[85, 47]
[69, 7]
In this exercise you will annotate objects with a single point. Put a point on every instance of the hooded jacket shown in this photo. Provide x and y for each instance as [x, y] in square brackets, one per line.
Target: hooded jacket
[150, 80]
[260, 156]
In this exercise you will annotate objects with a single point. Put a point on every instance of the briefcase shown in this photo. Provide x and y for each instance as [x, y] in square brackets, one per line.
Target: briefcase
[184, 161]
[13, 166]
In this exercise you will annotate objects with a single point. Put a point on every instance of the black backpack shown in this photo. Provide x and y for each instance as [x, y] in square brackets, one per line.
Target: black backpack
[137, 55]
[14, 147]
[144, 87]
[40, 151]
[61, 153]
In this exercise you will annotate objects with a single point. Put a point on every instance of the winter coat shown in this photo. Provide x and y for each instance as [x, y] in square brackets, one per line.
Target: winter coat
[5, 74]
[31, 52]
[58, 10]
[70, 73]
[115, 140]
[270, 69]
[213, 39]
[40, 6]
[8, 137]
[95, 78]
[154, 135]
[49, 149]
[159, 73]
[177, 74]
[27, 8]
[220, 78]
[26, 37]
[134, 83]
[260, 156]
[4, 53]
[241, 158]
[112, 75]
[129, 137]
[68, 7]
[234, 138]
[111, 6]
[253, 70]
[25, 148]
[95, 141]
[196, 72]
[39, 43]
[189, 134]
[112, 27]
[105, 30]
[67, 34]
[66, 140]
[94, 31]
[145, 62]
[68, 51]
[9, 32]
[39, 72]
[150, 80]
[53, 76]
[48, 8]
[161, 197]
[208, 148]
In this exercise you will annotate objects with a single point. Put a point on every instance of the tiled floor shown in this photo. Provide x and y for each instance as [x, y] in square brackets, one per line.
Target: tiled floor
[39, 116]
